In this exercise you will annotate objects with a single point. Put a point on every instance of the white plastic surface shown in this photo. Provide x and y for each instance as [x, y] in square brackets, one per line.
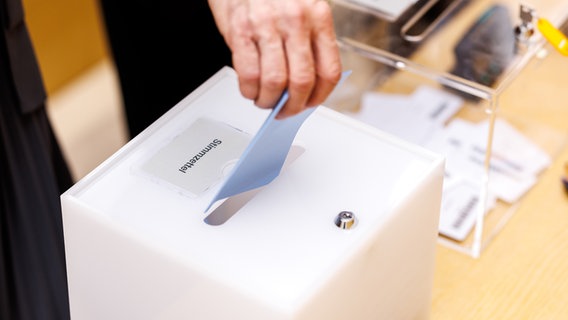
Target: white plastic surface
[137, 249]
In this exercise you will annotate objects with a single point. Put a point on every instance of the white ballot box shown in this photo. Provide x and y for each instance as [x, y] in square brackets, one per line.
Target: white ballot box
[140, 246]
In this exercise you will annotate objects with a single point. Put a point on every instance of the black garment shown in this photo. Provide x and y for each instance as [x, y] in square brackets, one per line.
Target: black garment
[163, 50]
[33, 282]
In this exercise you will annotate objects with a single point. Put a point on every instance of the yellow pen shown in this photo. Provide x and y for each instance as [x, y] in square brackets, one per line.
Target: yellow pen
[553, 35]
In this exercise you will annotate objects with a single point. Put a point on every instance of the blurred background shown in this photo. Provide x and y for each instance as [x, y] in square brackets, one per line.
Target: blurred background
[84, 103]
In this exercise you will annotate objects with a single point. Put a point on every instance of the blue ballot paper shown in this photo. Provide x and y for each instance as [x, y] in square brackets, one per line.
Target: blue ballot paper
[264, 157]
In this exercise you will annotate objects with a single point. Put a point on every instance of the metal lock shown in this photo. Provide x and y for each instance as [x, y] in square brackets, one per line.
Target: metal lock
[525, 30]
[345, 220]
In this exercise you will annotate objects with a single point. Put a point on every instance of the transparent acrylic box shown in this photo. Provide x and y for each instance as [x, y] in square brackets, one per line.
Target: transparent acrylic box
[449, 53]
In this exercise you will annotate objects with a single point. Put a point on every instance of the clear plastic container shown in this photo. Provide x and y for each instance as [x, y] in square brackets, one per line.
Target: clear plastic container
[435, 75]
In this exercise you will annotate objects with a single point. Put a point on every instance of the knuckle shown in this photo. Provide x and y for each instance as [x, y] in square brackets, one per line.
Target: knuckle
[249, 76]
[331, 73]
[321, 10]
[239, 29]
[262, 16]
[274, 81]
[303, 83]
[295, 15]
[247, 92]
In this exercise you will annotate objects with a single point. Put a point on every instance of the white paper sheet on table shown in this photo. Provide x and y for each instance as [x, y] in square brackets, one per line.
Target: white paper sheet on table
[421, 118]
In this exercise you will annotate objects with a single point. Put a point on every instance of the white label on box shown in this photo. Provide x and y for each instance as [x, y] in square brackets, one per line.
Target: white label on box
[198, 157]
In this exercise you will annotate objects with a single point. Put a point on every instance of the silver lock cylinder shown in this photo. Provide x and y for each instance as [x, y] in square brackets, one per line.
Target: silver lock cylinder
[345, 220]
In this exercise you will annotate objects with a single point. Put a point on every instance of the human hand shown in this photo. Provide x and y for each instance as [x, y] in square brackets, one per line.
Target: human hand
[279, 44]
